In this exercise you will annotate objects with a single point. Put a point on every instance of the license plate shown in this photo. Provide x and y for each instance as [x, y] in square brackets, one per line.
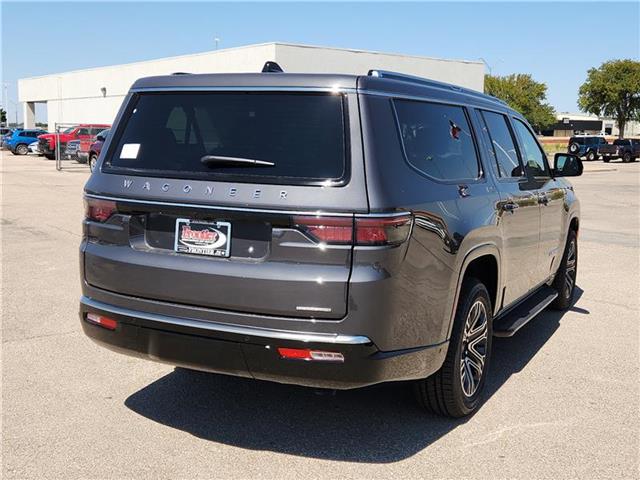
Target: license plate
[203, 238]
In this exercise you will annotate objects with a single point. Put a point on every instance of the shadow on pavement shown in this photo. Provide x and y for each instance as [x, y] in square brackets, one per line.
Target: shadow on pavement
[378, 424]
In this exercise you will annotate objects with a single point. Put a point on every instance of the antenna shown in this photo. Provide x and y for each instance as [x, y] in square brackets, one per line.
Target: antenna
[272, 67]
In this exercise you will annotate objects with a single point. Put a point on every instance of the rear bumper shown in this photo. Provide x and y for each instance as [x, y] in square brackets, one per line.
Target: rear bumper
[252, 352]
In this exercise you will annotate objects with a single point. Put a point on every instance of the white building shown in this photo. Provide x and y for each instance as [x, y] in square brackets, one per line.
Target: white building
[569, 124]
[94, 95]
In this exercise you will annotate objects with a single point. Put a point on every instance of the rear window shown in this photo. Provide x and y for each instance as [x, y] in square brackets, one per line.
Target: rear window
[437, 140]
[169, 134]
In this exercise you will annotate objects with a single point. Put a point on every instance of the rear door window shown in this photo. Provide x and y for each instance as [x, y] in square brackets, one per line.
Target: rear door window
[503, 146]
[168, 134]
[437, 140]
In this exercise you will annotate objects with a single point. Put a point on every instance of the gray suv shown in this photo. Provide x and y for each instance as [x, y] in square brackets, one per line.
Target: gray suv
[331, 231]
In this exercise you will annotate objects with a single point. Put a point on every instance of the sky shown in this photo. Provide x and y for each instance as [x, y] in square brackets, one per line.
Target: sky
[554, 42]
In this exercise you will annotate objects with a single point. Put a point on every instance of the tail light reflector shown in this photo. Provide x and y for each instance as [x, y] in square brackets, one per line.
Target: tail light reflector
[99, 210]
[382, 230]
[368, 230]
[310, 355]
[106, 322]
[333, 230]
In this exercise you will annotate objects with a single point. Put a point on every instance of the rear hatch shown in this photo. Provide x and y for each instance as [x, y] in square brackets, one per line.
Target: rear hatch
[240, 201]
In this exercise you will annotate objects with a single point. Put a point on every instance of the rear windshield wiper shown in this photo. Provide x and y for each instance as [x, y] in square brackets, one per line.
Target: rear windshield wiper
[217, 161]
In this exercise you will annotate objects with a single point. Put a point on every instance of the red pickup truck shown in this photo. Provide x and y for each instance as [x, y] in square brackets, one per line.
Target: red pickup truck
[85, 132]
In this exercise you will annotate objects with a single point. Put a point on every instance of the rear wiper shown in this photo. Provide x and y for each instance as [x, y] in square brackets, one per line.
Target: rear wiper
[217, 160]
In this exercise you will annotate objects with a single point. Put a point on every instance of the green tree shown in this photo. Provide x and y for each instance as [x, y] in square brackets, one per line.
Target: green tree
[613, 90]
[3, 116]
[525, 95]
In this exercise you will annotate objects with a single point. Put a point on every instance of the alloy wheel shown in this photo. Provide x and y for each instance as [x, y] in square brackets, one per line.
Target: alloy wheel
[474, 348]
[570, 270]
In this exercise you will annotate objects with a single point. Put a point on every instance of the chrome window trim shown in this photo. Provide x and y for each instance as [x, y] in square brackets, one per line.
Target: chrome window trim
[335, 338]
[244, 209]
[193, 88]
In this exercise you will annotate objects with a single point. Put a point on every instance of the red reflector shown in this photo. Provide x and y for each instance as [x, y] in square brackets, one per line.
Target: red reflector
[106, 322]
[98, 210]
[310, 355]
[383, 230]
[327, 229]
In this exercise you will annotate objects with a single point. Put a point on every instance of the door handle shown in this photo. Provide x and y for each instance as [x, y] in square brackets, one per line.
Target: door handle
[510, 206]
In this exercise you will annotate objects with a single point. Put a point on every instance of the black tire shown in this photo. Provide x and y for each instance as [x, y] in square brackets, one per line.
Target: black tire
[21, 149]
[626, 157]
[50, 156]
[446, 392]
[93, 160]
[565, 280]
[591, 156]
[573, 148]
[606, 159]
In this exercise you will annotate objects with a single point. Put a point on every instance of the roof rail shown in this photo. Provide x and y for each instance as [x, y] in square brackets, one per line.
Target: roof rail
[403, 77]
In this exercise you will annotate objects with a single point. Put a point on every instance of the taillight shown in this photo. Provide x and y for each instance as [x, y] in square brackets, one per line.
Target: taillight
[368, 230]
[98, 210]
[382, 230]
[332, 230]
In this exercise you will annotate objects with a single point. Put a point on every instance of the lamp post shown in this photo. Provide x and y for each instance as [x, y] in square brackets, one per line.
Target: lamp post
[486, 64]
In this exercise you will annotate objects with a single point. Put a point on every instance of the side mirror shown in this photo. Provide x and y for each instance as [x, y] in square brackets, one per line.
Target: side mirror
[567, 165]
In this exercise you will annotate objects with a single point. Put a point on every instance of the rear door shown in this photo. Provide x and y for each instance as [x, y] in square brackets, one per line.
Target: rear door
[519, 209]
[240, 201]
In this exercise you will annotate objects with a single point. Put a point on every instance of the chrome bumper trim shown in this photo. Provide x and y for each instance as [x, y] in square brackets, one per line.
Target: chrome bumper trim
[334, 338]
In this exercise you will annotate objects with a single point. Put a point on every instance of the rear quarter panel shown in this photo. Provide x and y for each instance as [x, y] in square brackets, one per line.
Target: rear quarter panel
[421, 286]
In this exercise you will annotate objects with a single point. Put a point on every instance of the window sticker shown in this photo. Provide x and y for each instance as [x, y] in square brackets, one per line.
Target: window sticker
[130, 151]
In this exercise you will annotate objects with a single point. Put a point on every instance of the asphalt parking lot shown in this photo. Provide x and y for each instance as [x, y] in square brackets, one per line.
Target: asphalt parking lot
[563, 395]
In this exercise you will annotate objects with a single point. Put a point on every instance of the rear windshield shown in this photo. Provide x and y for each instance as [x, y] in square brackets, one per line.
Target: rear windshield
[297, 138]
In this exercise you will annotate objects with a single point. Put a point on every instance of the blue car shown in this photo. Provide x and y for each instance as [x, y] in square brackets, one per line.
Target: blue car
[20, 140]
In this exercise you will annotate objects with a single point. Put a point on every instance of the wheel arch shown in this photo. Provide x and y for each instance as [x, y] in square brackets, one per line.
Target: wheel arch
[482, 262]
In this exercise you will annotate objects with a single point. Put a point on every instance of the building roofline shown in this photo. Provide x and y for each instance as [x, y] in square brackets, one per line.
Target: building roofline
[377, 52]
[254, 45]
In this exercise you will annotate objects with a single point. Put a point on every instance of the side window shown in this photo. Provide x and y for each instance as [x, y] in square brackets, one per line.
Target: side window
[83, 131]
[437, 140]
[503, 145]
[534, 161]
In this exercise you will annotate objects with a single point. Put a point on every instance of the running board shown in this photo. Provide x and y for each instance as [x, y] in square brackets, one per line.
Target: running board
[519, 316]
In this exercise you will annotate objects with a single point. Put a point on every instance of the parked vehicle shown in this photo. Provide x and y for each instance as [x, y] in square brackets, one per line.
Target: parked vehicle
[19, 141]
[238, 233]
[628, 149]
[71, 150]
[4, 138]
[33, 148]
[85, 133]
[586, 146]
[5, 131]
[96, 148]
